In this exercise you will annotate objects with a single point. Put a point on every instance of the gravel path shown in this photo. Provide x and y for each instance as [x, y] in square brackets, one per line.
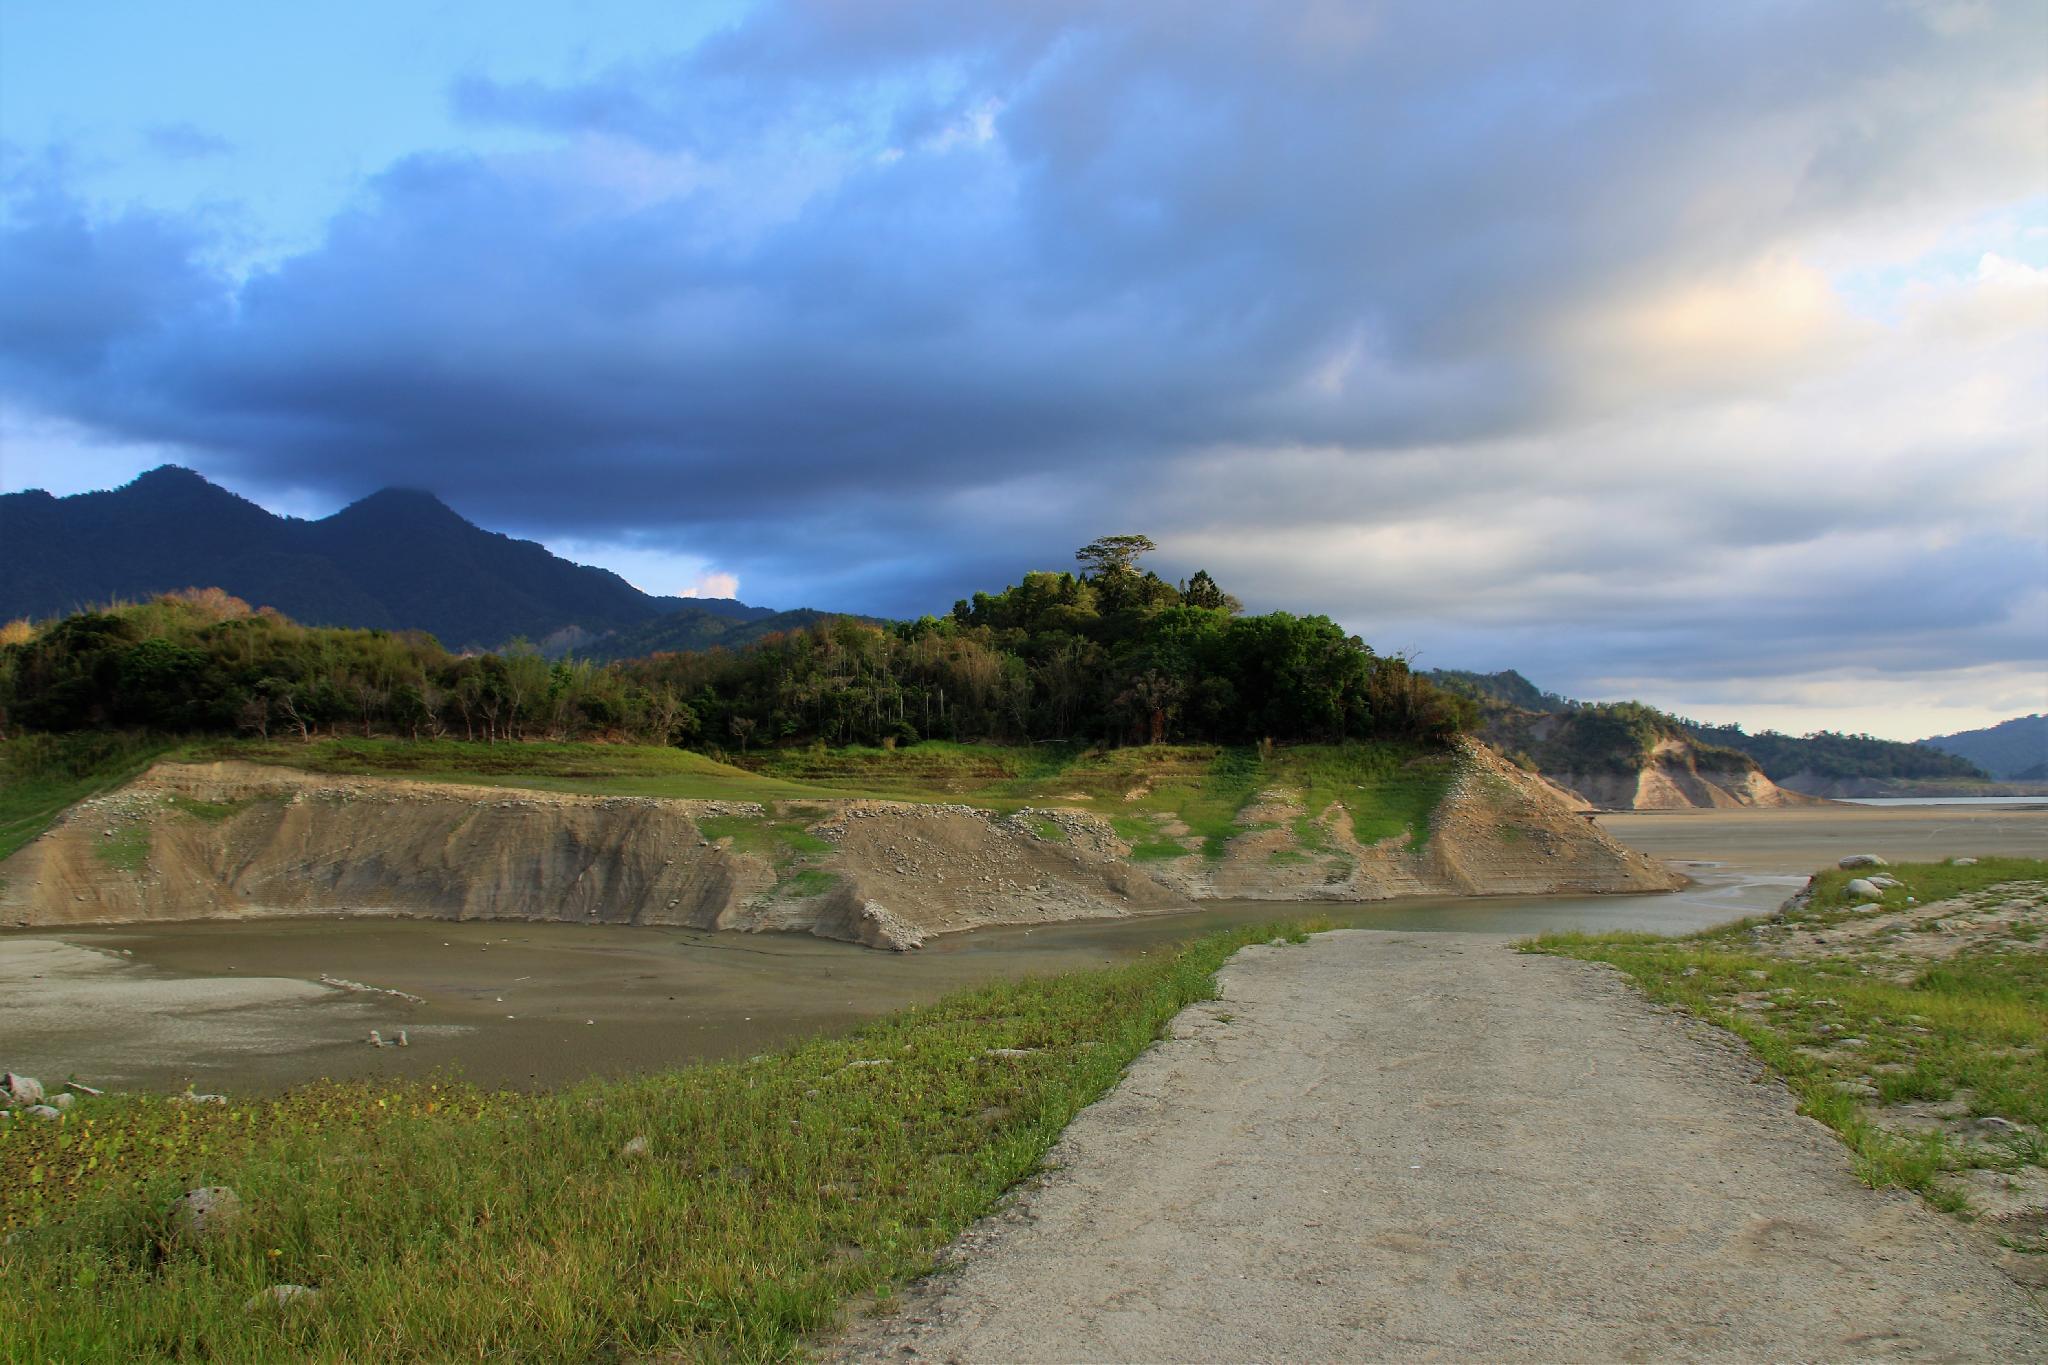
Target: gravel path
[1390, 1146]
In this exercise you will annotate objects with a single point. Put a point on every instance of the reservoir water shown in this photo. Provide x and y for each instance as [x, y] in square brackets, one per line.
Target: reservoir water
[253, 1006]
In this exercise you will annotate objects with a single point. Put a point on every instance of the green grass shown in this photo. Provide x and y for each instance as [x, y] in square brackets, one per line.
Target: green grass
[1970, 1026]
[41, 776]
[440, 1222]
[612, 769]
[126, 847]
[1389, 790]
[1146, 841]
[211, 812]
[809, 881]
[780, 839]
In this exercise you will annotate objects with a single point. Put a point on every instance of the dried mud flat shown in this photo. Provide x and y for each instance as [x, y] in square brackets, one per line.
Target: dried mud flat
[1392, 1146]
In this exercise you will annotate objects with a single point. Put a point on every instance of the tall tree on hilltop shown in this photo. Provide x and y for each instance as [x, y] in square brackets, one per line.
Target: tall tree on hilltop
[1113, 556]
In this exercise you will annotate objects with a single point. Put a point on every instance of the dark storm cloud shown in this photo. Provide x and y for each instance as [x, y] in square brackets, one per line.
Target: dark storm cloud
[868, 304]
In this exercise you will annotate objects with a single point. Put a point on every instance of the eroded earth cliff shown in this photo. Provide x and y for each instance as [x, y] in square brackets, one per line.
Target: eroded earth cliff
[226, 840]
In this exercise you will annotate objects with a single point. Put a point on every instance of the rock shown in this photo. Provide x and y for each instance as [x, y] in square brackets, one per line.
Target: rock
[62, 1101]
[1865, 888]
[1962, 862]
[190, 1097]
[635, 1149]
[1862, 860]
[1859, 1089]
[1013, 1052]
[1996, 1126]
[82, 1088]
[281, 1296]
[403, 1041]
[23, 1089]
[1886, 882]
[43, 1111]
[206, 1212]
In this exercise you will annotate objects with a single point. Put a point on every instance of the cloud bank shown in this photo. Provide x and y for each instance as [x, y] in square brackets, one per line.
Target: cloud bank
[1683, 350]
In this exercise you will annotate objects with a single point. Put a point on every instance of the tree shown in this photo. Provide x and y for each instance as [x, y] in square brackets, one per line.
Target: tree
[1201, 591]
[1112, 556]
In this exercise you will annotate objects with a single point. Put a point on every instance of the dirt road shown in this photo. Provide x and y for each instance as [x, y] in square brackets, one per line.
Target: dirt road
[1391, 1146]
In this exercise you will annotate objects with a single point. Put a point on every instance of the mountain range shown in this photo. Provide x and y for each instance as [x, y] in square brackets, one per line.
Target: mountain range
[396, 560]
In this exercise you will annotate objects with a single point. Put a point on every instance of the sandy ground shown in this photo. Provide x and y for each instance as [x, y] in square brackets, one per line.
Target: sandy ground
[1425, 1146]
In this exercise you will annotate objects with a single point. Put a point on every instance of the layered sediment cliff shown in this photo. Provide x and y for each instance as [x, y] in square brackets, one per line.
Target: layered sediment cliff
[229, 840]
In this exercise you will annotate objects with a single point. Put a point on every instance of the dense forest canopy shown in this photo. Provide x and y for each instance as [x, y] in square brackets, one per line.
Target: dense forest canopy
[1113, 654]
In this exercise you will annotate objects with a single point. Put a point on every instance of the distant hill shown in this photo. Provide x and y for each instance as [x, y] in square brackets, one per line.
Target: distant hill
[1507, 687]
[2014, 750]
[1619, 755]
[1824, 761]
[396, 560]
[697, 628]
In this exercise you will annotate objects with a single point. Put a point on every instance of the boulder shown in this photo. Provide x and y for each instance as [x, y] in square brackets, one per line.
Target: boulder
[63, 1101]
[634, 1149]
[204, 1213]
[1862, 860]
[1962, 862]
[1866, 889]
[43, 1111]
[22, 1089]
[1996, 1126]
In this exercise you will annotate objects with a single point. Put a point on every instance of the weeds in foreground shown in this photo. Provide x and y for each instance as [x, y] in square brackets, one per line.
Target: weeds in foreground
[445, 1222]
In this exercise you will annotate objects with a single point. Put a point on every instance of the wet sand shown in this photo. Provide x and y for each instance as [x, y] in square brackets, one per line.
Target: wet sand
[238, 1006]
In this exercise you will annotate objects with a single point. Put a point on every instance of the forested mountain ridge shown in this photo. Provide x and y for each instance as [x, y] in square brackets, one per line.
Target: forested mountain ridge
[698, 628]
[1824, 763]
[1112, 655]
[2015, 750]
[395, 560]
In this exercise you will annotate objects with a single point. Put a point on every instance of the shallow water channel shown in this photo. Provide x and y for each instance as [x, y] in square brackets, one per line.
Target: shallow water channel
[241, 1007]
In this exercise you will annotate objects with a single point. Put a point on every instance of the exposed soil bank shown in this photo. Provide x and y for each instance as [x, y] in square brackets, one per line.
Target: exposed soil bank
[1382, 1146]
[231, 840]
[1674, 777]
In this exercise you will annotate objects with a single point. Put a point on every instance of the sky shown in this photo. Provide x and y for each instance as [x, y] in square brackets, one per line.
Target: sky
[1689, 353]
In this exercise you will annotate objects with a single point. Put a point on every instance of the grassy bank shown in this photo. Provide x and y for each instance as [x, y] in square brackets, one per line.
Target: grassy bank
[441, 1222]
[42, 775]
[1898, 1022]
[1168, 800]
